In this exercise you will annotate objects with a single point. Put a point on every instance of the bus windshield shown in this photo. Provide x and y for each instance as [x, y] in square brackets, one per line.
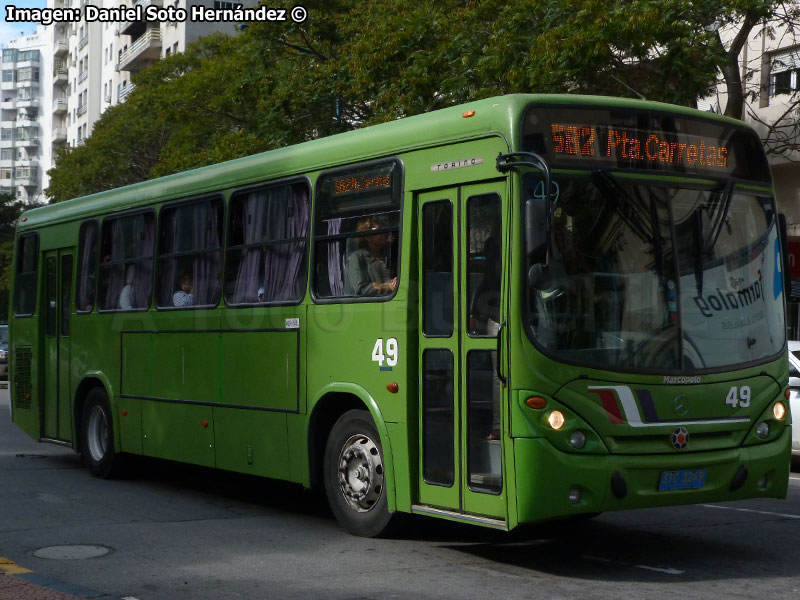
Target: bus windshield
[654, 276]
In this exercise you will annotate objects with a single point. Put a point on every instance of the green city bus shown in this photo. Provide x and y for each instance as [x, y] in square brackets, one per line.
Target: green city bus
[522, 308]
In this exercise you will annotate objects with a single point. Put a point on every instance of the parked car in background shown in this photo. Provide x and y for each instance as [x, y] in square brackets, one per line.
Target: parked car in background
[3, 352]
[794, 391]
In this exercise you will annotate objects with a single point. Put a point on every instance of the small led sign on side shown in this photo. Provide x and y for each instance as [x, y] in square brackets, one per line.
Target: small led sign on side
[360, 183]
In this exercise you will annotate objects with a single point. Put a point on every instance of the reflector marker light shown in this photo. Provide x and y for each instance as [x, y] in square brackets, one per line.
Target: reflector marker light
[468, 113]
[536, 402]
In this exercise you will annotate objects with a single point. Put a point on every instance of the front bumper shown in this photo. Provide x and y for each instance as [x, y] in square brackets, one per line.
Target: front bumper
[547, 478]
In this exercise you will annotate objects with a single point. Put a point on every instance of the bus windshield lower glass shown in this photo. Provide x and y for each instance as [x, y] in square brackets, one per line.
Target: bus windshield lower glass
[651, 276]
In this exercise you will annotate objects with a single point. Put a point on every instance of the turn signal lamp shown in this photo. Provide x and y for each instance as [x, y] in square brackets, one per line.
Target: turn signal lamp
[392, 387]
[787, 393]
[468, 113]
[556, 419]
[536, 402]
[779, 410]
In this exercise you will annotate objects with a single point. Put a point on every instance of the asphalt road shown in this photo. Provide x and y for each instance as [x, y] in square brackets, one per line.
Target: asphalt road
[173, 532]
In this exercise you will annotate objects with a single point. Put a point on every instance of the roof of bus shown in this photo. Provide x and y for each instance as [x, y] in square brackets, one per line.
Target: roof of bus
[492, 115]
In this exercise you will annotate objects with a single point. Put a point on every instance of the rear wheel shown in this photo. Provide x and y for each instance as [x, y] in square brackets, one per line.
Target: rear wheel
[97, 436]
[355, 477]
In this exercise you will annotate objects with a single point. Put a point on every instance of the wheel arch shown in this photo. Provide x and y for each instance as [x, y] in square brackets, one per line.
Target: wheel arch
[333, 401]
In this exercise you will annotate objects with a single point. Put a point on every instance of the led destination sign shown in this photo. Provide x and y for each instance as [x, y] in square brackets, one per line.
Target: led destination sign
[636, 145]
[640, 140]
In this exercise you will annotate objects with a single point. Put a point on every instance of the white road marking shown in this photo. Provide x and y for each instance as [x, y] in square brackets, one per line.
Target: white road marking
[750, 510]
[624, 564]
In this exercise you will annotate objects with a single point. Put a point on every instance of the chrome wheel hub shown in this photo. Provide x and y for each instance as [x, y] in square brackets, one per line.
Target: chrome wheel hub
[97, 433]
[360, 472]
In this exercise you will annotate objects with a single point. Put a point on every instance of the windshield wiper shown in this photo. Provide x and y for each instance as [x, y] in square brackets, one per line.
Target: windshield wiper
[705, 245]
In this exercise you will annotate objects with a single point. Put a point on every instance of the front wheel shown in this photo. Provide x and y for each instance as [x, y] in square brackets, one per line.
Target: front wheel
[354, 475]
[97, 436]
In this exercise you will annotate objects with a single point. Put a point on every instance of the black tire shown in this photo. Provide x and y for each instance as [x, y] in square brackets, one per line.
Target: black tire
[354, 475]
[97, 436]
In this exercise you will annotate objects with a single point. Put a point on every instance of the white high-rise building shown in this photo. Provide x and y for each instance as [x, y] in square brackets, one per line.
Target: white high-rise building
[100, 58]
[25, 116]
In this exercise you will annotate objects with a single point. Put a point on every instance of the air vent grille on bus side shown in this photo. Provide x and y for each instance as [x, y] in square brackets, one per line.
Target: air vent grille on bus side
[22, 378]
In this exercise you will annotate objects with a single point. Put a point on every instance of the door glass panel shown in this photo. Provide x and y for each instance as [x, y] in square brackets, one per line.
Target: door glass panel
[437, 269]
[51, 310]
[483, 422]
[438, 463]
[483, 265]
[66, 292]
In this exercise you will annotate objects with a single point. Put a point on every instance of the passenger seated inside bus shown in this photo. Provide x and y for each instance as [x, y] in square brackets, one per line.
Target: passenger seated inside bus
[126, 301]
[366, 270]
[184, 296]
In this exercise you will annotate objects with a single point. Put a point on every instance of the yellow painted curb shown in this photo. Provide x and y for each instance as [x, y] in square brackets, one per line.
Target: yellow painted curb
[9, 567]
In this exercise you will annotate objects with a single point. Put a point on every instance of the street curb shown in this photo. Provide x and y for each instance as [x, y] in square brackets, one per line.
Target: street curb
[60, 586]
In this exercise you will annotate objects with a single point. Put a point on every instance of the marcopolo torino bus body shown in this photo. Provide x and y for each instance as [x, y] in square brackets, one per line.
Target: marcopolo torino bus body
[522, 308]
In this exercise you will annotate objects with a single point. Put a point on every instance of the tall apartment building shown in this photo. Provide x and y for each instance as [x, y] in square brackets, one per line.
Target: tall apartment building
[25, 116]
[97, 60]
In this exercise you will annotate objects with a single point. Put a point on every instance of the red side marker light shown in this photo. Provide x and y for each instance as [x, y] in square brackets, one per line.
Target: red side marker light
[468, 113]
[124, 413]
[204, 423]
[392, 387]
[24, 219]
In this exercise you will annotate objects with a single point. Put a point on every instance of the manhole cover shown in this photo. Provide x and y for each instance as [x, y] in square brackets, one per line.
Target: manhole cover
[74, 552]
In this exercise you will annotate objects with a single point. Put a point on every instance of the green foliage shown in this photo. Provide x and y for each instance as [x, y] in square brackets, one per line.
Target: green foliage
[357, 63]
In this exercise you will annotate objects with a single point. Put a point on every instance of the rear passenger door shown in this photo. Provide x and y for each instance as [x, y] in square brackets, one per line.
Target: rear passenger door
[56, 417]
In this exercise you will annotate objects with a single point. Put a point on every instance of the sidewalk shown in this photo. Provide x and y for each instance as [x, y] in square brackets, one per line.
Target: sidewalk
[15, 588]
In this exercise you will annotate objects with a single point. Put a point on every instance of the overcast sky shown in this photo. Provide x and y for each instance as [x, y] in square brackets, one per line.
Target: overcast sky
[12, 30]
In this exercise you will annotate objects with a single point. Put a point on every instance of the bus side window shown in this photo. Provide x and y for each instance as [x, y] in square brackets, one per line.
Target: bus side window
[87, 267]
[267, 239]
[25, 275]
[357, 227]
[189, 254]
[125, 277]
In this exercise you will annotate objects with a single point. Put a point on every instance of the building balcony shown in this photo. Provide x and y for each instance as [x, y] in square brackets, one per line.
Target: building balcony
[144, 51]
[27, 103]
[82, 109]
[28, 142]
[135, 28]
[60, 72]
[124, 91]
[60, 47]
[59, 106]
[82, 76]
[31, 180]
[59, 135]
[83, 41]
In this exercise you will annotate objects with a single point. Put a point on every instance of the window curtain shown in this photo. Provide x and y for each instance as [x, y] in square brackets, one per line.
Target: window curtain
[287, 218]
[168, 267]
[205, 267]
[335, 260]
[246, 287]
[143, 232]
